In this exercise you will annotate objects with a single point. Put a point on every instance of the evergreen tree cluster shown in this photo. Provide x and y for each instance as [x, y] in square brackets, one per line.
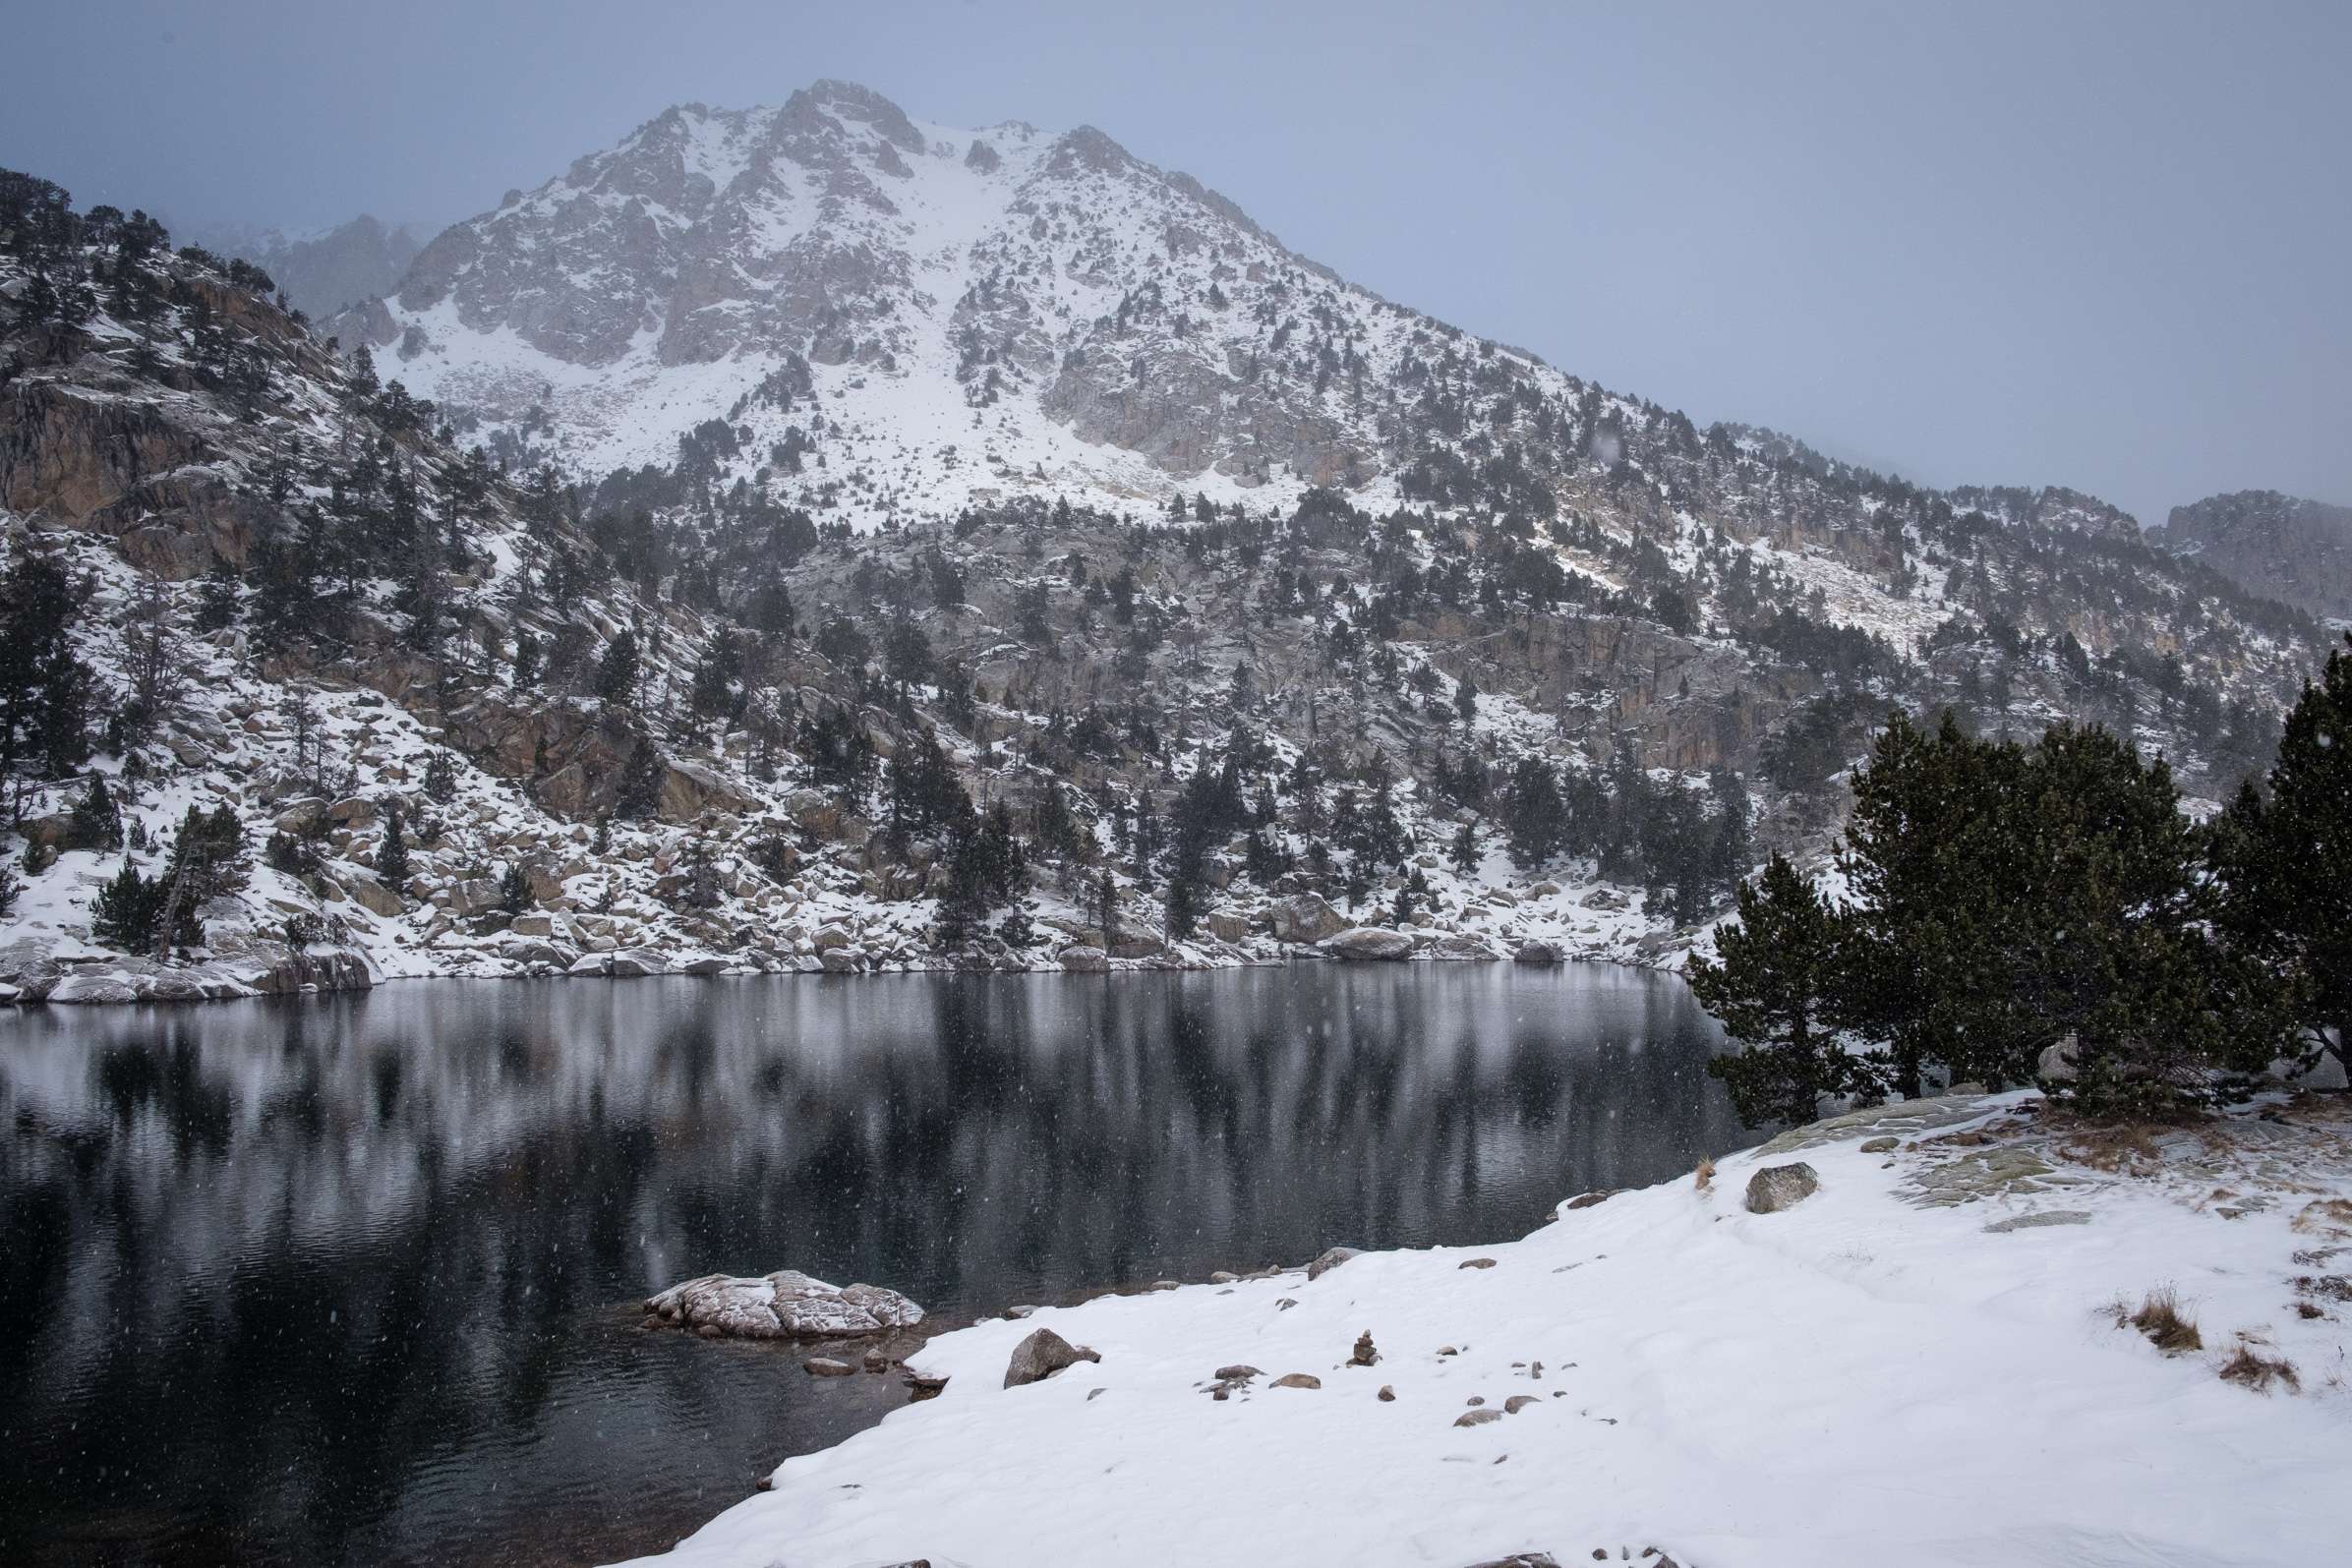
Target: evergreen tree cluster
[2015, 913]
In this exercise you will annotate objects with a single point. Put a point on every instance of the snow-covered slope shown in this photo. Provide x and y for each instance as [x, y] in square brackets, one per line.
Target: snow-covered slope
[975, 312]
[1922, 1364]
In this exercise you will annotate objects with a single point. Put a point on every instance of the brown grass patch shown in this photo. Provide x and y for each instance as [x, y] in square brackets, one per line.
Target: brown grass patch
[2259, 1372]
[2117, 1148]
[2307, 1311]
[2327, 1287]
[2160, 1320]
[1704, 1176]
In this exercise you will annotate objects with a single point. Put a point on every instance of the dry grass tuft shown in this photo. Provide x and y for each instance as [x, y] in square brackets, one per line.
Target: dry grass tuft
[2119, 1148]
[1704, 1176]
[2160, 1317]
[2259, 1372]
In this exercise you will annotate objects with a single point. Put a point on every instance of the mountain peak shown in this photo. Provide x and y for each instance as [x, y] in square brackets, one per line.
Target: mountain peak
[862, 105]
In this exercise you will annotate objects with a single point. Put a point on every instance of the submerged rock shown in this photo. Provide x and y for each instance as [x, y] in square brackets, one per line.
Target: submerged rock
[784, 1305]
[1041, 1355]
[1780, 1186]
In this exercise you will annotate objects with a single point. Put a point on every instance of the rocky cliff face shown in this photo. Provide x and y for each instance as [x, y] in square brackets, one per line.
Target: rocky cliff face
[2283, 547]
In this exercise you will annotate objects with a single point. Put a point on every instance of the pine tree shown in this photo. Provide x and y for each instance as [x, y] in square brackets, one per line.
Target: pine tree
[1106, 909]
[440, 778]
[44, 685]
[640, 793]
[527, 665]
[1464, 853]
[514, 890]
[126, 911]
[1532, 813]
[2286, 862]
[391, 857]
[1775, 985]
[219, 598]
[617, 671]
[95, 823]
[1182, 908]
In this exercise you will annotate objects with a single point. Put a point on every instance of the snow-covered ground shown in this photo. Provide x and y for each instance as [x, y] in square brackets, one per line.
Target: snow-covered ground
[1890, 1372]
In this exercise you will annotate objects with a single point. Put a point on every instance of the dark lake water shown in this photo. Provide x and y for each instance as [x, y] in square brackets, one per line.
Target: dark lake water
[354, 1279]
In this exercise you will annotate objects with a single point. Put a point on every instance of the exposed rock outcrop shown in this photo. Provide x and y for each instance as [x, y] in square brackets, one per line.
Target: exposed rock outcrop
[784, 1305]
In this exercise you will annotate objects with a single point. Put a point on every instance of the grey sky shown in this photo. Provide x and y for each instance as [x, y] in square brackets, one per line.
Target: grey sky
[2097, 244]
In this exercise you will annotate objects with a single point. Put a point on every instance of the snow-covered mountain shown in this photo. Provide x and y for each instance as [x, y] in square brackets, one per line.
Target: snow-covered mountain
[975, 314]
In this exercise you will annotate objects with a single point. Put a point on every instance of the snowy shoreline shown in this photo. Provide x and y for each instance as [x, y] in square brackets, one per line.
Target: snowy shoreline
[1922, 1361]
[119, 982]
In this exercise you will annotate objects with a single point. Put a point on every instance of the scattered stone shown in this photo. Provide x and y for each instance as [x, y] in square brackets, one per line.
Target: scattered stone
[1285, 1303]
[827, 1366]
[1387, 1394]
[1880, 1146]
[1041, 1355]
[2029, 1222]
[1164, 1285]
[1296, 1380]
[1524, 1559]
[877, 1361]
[1020, 1312]
[1330, 1259]
[1448, 1350]
[1536, 951]
[1518, 1402]
[1237, 1373]
[924, 1385]
[1365, 1355]
[1588, 1200]
[1475, 1400]
[1477, 1418]
[1223, 1277]
[1477, 1262]
[1780, 1186]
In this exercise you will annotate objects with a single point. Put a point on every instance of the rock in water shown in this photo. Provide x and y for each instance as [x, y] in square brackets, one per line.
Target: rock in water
[1041, 1355]
[1780, 1186]
[1332, 1258]
[1369, 944]
[784, 1305]
[827, 1366]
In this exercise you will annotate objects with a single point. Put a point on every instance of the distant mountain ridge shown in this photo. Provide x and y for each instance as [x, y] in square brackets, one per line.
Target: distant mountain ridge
[327, 269]
[2294, 550]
